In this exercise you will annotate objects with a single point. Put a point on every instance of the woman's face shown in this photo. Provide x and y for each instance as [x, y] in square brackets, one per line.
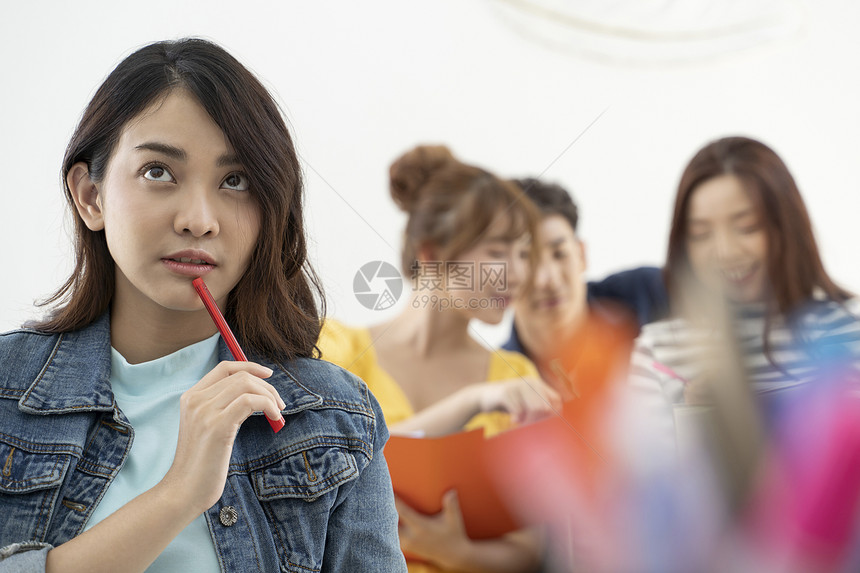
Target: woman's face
[726, 240]
[174, 205]
[481, 282]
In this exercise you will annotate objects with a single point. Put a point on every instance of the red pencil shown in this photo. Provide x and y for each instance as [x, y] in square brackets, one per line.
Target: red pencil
[227, 334]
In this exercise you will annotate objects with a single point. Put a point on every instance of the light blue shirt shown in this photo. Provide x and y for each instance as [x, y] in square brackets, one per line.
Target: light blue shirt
[148, 394]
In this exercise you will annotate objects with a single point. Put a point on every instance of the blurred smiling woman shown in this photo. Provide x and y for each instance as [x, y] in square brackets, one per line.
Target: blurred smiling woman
[741, 234]
[428, 372]
[463, 232]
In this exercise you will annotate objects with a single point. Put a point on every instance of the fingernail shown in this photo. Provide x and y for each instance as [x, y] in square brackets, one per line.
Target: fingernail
[277, 425]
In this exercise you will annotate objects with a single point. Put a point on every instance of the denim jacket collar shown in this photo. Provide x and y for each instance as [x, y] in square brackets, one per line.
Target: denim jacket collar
[76, 377]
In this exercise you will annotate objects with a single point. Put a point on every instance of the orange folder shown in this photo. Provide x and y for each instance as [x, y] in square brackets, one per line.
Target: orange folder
[490, 474]
[423, 469]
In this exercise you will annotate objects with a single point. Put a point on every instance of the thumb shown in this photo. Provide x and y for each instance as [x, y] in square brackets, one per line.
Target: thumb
[451, 509]
[406, 513]
[450, 501]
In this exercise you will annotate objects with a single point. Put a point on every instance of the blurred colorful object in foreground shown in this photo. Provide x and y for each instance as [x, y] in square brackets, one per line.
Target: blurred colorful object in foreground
[616, 502]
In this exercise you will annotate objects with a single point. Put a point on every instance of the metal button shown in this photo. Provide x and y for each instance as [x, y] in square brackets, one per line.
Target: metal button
[228, 515]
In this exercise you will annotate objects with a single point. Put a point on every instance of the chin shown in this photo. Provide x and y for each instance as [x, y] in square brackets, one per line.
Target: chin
[751, 295]
[492, 319]
[747, 299]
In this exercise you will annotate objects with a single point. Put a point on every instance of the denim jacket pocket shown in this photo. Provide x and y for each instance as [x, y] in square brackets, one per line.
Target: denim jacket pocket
[29, 484]
[298, 494]
[307, 474]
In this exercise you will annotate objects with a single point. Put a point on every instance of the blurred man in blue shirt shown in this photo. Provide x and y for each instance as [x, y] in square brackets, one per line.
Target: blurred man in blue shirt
[560, 304]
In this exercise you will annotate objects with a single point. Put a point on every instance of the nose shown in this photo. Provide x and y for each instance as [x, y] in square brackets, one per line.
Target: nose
[196, 213]
[725, 245]
[547, 274]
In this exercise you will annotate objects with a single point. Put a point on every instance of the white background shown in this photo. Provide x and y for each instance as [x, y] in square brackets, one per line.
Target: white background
[360, 82]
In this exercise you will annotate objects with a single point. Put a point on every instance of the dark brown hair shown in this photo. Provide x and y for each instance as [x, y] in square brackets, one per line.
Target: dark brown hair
[794, 267]
[274, 307]
[451, 205]
[550, 199]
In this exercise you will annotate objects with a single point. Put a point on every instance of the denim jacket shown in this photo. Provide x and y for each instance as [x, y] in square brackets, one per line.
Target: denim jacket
[314, 497]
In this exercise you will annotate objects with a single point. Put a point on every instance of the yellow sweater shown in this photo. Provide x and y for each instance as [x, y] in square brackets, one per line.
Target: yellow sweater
[352, 349]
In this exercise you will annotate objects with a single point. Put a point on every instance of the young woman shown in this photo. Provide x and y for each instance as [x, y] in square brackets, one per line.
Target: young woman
[741, 234]
[128, 435]
[429, 374]
[758, 329]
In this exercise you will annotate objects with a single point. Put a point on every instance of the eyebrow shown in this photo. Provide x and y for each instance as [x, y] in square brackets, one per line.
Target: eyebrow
[500, 240]
[226, 160]
[732, 217]
[742, 214]
[557, 242]
[164, 149]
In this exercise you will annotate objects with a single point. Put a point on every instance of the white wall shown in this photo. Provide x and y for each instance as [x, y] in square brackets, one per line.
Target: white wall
[362, 81]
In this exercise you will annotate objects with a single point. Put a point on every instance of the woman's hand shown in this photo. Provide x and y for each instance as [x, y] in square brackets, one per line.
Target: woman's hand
[430, 537]
[697, 392]
[525, 399]
[210, 414]
[441, 539]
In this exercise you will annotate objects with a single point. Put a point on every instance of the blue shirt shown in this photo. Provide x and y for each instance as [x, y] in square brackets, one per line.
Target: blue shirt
[148, 394]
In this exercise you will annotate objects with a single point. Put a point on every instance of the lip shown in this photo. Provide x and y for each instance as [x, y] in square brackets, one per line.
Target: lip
[548, 303]
[192, 269]
[504, 300]
[745, 277]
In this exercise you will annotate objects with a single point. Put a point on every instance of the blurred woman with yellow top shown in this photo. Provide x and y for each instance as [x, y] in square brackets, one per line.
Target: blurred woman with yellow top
[428, 373]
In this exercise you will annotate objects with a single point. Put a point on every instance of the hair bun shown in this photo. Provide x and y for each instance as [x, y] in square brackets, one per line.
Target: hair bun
[411, 171]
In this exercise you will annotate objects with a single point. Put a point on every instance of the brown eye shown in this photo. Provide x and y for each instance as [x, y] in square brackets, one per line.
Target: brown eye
[158, 173]
[236, 181]
[750, 230]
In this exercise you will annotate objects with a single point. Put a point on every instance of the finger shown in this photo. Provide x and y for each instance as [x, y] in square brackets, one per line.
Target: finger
[227, 390]
[543, 398]
[258, 371]
[451, 509]
[556, 402]
[244, 405]
[408, 539]
[407, 514]
[274, 393]
[546, 400]
[552, 397]
[516, 406]
[451, 502]
[227, 368]
[405, 534]
[535, 407]
[543, 389]
[211, 380]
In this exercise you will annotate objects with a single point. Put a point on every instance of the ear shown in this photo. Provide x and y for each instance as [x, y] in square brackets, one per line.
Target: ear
[581, 253]
[86, 196]
[426, 253]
